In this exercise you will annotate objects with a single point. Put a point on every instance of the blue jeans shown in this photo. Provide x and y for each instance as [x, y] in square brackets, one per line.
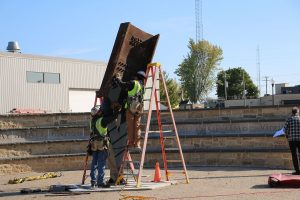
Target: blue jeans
[98, 163]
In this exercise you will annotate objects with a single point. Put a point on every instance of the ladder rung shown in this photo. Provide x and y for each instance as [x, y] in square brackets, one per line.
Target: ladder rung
[135, 151]
[152, 124]
[177, 172]
[131, 161]
[165, 113]
[169, 137]
[131, 174]
[147, 88]
[172, 149]
[168, 131]
[174, 161]
[146, 99]
[163, 101]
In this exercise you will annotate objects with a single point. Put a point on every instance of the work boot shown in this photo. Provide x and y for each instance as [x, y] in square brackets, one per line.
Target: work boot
[137, 148]
[130, 146]
[137, 145]
[93, 185]
[110, 181]
[104, 185]
[123, 182]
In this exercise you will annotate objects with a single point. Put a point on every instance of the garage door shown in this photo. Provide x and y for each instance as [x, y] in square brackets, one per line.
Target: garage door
[81, 100]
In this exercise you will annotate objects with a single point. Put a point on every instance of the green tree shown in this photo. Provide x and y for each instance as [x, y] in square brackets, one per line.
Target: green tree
[235, 79]
[173, 91]
[197, 70]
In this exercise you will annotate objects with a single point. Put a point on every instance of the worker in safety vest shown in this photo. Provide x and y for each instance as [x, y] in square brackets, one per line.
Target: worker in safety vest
[99, 146]
[134, 107]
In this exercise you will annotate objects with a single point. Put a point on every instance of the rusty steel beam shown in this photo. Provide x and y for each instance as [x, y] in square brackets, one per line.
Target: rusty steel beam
[133, 51]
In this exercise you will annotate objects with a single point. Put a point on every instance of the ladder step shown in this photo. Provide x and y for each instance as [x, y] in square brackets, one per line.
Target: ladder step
[165, 113]
[155, 124]
[170, 137]
[174, 161]
[146, 99]
[131, 161]
[183, 172]
[163, 101]
[148, 88]
[168, 131]
[172, 149]
[135, 150]
[131, 174]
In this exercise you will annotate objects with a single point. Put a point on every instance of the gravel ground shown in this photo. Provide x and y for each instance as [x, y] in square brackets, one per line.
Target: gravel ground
[227, 183]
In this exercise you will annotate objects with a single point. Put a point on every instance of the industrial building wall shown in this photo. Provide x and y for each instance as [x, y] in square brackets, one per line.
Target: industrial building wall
[17, 92]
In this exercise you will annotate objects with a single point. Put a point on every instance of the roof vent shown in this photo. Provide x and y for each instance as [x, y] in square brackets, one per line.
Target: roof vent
[13, 47]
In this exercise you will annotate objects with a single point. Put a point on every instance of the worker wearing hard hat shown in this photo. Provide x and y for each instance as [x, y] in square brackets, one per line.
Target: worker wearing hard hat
[99, 146]
[134, 106]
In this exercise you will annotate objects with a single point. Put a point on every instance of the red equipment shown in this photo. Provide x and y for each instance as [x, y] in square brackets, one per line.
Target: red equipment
[284, 180]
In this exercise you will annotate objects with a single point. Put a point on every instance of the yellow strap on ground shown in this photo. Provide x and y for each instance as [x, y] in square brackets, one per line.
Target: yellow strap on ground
[127, 197]
[32, 178]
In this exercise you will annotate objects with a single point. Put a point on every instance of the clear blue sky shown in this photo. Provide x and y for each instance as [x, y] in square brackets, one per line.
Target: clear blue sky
[86, 29]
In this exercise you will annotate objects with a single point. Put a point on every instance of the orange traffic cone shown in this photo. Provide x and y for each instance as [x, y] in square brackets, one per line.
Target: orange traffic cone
[157, 175]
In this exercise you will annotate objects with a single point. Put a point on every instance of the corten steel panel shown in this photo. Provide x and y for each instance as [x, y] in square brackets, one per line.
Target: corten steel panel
[132, 51]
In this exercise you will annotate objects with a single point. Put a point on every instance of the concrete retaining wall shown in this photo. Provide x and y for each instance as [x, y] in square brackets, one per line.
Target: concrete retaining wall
[229, 137]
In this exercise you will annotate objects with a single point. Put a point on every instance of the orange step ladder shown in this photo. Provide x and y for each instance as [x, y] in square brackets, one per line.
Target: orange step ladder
[155, 73]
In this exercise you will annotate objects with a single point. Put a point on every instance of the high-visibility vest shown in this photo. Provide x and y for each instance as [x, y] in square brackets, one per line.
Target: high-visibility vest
[136, 89]
[97, 128]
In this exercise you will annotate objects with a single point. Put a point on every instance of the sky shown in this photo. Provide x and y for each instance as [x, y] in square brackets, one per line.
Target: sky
[86, 29]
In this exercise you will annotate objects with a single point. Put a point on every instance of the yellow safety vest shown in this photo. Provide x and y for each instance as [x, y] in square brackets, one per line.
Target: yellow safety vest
[136, 89]
[97, 128]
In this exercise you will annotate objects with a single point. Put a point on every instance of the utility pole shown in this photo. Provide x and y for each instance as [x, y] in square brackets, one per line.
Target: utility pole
[199, 37]
[266, 79]
[244, 88]
[258, 69]
[225, 85]
[272, 83]
[199, 25]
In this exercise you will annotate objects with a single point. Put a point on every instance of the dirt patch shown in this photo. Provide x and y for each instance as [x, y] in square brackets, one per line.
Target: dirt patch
[8, 125]
[13, 168]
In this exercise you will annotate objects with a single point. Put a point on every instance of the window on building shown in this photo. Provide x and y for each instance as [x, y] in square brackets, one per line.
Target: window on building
[35, 77]
[51, 78]
[42, 77]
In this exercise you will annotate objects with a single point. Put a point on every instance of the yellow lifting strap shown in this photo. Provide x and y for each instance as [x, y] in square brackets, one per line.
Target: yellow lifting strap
[32, 178]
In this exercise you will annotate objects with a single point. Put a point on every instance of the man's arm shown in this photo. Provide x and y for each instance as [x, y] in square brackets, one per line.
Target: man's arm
[286, 128]
[108, 119]
[129, 85]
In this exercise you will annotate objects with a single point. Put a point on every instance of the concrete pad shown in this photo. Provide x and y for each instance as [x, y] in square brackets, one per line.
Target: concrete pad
[131, 185]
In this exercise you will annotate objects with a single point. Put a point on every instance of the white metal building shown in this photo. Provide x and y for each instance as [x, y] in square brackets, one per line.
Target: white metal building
[48, 83]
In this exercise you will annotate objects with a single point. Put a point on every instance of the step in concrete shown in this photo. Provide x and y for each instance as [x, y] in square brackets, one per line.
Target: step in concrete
[59, 162]
[44, 133]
